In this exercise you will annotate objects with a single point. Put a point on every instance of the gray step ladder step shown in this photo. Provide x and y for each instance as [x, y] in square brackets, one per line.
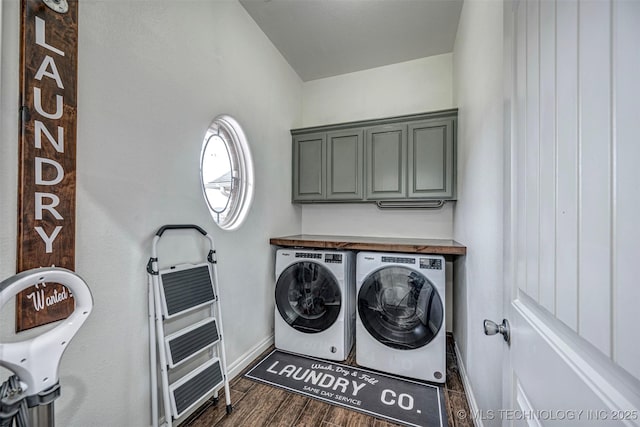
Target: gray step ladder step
[190, 341]
[185, 289]
[189, 390]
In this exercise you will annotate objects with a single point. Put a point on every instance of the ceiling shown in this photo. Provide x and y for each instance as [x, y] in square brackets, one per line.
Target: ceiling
[323, 38]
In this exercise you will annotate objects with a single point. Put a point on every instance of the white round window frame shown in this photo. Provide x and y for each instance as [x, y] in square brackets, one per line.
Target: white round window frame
[235, 140]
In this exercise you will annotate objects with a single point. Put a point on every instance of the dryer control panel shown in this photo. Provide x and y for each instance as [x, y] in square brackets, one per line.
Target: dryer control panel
[398, 260]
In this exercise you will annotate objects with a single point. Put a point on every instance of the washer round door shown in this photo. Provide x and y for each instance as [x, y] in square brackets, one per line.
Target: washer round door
[400, 308]
[308, 297]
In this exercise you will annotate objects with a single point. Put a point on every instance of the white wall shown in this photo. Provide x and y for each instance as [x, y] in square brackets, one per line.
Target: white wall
[152, 75]
[409, 87]
[366, 219]
[478, 216]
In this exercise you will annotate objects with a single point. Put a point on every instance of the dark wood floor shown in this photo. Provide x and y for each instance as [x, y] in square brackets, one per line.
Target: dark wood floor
[257, 405]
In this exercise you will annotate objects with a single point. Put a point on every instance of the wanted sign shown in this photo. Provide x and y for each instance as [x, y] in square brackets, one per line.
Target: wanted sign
[395, 399]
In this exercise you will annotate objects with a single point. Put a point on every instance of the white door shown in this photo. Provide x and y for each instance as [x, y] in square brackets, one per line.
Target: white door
[573, 230]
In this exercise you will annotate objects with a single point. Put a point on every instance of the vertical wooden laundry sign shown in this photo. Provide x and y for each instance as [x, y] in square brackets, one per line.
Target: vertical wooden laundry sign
[47, 163]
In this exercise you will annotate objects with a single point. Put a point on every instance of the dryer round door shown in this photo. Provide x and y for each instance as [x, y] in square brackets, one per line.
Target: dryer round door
[308, 297]
[400, 308]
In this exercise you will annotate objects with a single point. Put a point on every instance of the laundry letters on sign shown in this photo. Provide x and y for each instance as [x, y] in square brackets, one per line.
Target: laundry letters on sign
[47, 178]
[321, 382]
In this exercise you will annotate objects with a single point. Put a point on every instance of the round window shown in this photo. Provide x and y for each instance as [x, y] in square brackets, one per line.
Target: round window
[226, 172]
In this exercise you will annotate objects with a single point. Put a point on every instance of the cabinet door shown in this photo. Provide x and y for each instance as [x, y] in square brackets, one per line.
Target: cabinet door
[309, 167]
[386, 153]
[344, 165]
[430, 165]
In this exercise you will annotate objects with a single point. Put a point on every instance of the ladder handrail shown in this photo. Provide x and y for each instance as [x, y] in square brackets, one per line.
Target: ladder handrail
[162, 229]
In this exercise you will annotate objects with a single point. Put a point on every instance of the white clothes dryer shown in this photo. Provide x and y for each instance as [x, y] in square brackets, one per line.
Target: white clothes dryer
[315, 302]
[401, 314]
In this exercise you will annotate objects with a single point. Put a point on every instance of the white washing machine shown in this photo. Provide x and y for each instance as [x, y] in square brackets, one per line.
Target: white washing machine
[315, 302]
[401, 314]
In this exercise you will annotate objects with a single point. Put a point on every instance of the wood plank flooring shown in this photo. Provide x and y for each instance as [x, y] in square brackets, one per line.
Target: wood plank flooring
[258, 405]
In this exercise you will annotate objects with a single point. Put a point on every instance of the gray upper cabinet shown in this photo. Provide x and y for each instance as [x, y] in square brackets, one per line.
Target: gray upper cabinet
[398, 159]
[386, 149]
[430, 153]
[309, 152]
[344, 165]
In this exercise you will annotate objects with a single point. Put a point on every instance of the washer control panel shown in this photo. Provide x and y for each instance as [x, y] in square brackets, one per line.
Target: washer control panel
[431, 263]
[309, 255]
[333, 258]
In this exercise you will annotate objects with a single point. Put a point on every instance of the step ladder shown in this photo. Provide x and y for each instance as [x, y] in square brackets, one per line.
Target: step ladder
[178, 294]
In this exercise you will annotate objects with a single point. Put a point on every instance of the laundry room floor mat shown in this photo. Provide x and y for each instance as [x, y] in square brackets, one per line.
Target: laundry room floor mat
[398, 400]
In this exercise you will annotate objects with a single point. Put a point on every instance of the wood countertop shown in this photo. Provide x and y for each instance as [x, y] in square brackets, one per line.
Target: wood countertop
[380, 244]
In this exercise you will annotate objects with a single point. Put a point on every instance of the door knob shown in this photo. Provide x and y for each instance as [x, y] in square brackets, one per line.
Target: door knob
[492, 328]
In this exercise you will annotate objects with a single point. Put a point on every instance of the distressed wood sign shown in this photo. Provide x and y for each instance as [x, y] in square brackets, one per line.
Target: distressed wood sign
[47, 163]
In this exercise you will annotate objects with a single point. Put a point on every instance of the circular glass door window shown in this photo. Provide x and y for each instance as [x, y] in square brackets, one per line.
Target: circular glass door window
[400, 308]
[308, 297]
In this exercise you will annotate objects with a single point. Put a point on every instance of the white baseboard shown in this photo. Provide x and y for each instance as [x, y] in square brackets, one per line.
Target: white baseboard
[234, 369]
[473, 404]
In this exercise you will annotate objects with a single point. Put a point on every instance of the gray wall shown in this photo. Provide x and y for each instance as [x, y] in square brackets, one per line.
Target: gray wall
[152, 75]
